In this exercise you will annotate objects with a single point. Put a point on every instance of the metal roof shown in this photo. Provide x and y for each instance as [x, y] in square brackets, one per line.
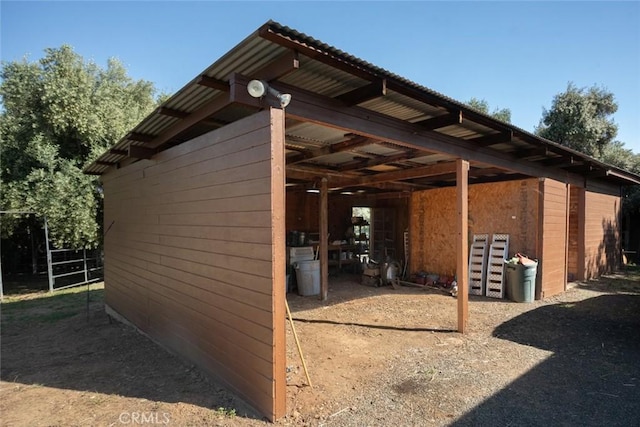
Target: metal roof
[329, 72]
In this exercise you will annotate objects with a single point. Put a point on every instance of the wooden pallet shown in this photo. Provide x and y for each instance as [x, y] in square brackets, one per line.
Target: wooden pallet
[498, 253]
[477, 263]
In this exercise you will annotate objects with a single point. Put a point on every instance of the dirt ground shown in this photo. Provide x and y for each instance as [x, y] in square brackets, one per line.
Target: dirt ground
[376, 357]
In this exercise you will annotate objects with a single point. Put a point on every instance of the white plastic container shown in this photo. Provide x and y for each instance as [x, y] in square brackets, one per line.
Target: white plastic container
[304, 253]
[308, 277]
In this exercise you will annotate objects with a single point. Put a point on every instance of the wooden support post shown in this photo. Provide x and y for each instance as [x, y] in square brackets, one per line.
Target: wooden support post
[324, 239]
[462, 242]
[582, 234]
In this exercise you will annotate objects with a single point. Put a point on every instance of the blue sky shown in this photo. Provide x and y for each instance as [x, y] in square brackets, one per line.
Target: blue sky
[513, 54]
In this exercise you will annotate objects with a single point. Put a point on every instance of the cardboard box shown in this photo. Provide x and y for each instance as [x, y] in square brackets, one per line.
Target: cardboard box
[371, 272]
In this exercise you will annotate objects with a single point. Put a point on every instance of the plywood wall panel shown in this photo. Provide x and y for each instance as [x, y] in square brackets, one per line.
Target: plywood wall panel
[497, 208]
[191, 256]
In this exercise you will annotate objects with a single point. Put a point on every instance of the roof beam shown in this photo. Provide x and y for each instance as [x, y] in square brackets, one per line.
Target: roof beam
[349, 144]
[211, 107]
[373, 90]
[379, 160]
[496, 138]
[412, 173]
[165, 111]
[442, 121]
[280, 67]
[532, 152]
[306, 106]
[138, 152]
[213, 83]
[304, 174]
[267, 33]
[562, 162]
[140, 137]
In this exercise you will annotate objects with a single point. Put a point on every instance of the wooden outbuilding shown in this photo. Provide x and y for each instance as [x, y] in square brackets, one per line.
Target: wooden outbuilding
[198, 198]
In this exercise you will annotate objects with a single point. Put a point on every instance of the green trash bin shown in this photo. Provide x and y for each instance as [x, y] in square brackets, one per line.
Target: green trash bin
[521, 281]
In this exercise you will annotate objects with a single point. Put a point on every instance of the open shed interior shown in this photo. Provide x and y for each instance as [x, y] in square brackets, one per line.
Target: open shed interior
[206, 197]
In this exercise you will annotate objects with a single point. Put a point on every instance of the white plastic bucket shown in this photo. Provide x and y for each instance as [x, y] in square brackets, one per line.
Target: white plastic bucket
[308, 277]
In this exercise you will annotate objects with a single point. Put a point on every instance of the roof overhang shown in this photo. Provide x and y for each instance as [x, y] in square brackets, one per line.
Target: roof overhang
[353, 123]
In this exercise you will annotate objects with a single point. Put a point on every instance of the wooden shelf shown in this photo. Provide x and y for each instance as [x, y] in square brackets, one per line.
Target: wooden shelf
[340, 249]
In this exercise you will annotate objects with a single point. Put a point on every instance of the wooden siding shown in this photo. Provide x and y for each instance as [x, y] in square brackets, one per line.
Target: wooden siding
[496, 208]
[193, 247]
[573, 251]
[602, 231]
[552, 269]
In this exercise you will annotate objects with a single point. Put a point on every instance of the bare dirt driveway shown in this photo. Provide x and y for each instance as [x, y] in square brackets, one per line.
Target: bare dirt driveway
[376, 356]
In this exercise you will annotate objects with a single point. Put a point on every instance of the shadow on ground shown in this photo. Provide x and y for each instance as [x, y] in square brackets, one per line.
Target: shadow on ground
[64, 342]
[593, 376]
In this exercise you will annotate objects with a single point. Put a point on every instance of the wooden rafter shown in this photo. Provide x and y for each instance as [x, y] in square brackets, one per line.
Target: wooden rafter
[278, 68]
[318, 109]
[138, 152]
[442, 121]
[352, 143]
[379, 160]
[399, 175]
[140, 137]
[211, 107]
[213, 83]
[497, 138]
[532, 152]
[266, 33]
[172, 113]
[373, 90]
[562, 162]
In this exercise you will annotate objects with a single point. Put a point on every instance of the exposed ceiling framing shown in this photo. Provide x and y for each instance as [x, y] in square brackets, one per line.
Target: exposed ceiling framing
[355, 124]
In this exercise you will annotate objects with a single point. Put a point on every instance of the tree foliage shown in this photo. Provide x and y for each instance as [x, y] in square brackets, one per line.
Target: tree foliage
[59, 114]
[580, 118]
[503, 114]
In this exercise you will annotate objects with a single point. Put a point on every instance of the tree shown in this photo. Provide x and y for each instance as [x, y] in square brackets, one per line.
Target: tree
[580, 118]
[59, 114]
[503, 114]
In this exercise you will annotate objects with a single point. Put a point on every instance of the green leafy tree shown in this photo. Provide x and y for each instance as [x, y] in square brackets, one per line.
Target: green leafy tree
[581, 118]
[58, 114]
[503, 114]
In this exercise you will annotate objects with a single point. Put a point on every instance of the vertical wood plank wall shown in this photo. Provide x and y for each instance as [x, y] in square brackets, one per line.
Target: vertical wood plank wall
[496, 208]
[573, 253]
[194, 254]
[552, 271]
[602, 230]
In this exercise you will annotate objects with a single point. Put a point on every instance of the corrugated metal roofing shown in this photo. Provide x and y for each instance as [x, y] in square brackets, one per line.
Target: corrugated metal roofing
[330, 72]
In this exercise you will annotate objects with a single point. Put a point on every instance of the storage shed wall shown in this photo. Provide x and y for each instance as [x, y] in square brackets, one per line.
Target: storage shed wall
[552, 270]
[495, 208]
[602, 230]
[194, 244]
[573, 270]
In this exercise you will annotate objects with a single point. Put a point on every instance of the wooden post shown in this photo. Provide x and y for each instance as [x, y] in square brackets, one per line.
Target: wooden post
[462, 242]
[324, 239]
[582, 234]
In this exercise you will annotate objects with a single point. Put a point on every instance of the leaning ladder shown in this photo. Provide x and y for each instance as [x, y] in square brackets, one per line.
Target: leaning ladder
[477, 264]
[498, 252]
